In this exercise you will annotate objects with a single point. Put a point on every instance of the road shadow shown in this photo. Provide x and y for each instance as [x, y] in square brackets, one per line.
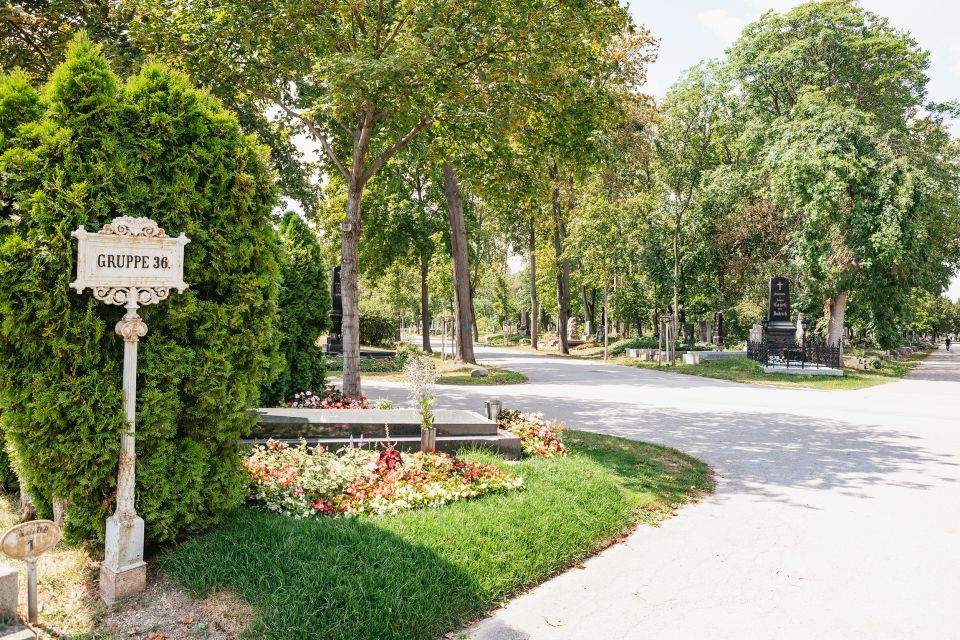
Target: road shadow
[764, 454]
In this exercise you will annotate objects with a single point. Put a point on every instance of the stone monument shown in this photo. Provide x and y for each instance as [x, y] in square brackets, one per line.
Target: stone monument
[780, 330]
[335, 336]
[130, 262]
[718, 332]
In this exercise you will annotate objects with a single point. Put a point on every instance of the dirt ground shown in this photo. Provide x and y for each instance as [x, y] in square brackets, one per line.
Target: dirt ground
[165, 612]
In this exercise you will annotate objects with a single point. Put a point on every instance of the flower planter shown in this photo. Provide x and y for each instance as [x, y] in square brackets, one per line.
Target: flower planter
[428, 440]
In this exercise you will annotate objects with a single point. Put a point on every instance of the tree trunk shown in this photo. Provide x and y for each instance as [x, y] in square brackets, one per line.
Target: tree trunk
[473, 314]
[425, 304]
[606, 321]
[563, 268]
[676, 272]
[835, 310]
[534, 303]
[59, 511]
[349, 269]
[27, 510]
[463, 326]
[589, 306]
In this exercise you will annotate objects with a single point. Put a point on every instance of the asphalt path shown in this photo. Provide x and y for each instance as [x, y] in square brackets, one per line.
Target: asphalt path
[836, 513]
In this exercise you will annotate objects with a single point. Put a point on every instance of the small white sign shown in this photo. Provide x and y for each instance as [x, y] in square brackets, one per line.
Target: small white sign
[129, 253]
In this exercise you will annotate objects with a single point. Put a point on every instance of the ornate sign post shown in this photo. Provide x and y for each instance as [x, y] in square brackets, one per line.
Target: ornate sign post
[130, 262]
[26, 541]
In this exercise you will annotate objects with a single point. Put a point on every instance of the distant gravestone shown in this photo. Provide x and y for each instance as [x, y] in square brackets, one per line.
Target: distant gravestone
[779, 301]
[756, 333]
[780, 331]
[335, 337]
[688, 332]
[718, 333]
[704, 331]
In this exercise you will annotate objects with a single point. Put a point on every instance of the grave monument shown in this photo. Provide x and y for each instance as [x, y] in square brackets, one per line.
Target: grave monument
[335, 336]
[780, 330]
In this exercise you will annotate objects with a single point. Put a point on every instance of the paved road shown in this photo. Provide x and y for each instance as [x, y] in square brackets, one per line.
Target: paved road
[836, 515]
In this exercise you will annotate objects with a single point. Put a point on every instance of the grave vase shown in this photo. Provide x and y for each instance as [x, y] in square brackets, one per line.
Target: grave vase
[428, 439]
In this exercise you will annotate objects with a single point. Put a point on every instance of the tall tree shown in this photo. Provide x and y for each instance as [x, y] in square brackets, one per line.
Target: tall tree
[364, 80]
[685, 150]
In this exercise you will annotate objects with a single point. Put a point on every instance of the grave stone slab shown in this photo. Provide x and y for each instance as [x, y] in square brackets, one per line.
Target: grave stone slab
[9, 592]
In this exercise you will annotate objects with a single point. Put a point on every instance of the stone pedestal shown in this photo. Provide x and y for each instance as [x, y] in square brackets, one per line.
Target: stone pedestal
[123, 572]
[9, 592]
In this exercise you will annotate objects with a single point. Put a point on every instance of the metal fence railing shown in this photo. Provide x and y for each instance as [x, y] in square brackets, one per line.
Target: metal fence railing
[810, 353]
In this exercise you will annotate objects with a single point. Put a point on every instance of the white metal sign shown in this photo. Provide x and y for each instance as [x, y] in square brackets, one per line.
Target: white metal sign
[130, 262]
[129, 254]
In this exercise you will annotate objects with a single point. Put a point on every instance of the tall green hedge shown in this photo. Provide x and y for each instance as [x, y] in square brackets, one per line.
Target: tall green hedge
[153, 147]
[378, 330]
[304, 312]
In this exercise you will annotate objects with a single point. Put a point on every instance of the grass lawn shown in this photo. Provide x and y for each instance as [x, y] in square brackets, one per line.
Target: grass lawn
[451, 373]
[748, 371]
[422, 573]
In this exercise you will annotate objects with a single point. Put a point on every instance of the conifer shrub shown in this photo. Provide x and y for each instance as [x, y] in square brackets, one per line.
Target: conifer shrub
[156, 147]
[377, 330]
[304, 312]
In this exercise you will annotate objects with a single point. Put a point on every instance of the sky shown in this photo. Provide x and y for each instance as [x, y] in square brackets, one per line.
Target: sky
[694, 30]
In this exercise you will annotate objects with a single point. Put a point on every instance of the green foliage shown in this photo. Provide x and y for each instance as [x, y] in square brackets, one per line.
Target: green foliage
[419, 574]
[620, 347]
[404, 352]
[153, 147]
[377, 330]
[304, 312]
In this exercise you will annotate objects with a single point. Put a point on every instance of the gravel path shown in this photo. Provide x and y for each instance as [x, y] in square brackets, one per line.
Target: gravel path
[836, 515]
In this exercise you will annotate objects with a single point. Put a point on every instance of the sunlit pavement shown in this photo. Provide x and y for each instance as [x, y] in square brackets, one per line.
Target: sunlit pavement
[836, 514]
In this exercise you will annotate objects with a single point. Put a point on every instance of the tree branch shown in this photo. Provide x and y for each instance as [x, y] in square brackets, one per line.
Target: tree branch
[396, 146]
[308, 123]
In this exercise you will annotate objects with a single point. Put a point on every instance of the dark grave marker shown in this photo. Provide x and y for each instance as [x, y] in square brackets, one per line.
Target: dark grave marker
[335, 337]
[780, 331]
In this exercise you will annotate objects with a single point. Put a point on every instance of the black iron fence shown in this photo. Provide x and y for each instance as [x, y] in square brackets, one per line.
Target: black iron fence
[810, 353]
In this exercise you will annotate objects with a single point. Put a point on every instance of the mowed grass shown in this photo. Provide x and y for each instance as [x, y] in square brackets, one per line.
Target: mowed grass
[748, 371]
[453, 373]
[422, 573]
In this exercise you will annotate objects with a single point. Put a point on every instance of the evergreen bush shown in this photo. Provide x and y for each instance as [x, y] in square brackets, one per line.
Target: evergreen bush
[153, 147]
[304, 312]
[377, 330]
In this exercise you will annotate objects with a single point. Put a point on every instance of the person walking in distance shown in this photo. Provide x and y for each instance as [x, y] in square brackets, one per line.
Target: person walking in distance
[948, 343]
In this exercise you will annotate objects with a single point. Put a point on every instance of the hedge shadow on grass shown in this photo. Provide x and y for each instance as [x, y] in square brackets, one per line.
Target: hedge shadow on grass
[420, 573]
[325, 578]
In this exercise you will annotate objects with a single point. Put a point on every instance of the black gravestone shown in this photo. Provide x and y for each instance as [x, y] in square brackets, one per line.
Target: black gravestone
[688, 332]
[335, 337]
[781, 334]
[718, 330]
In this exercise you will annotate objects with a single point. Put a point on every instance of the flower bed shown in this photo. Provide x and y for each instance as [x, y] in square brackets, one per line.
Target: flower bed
[332, 398]
[304, 482]
[538, 437]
